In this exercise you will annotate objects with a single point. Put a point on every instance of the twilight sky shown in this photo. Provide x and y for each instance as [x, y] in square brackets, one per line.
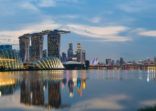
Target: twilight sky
[105, 28]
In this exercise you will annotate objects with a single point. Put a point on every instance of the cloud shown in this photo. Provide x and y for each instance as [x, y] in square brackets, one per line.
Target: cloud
[29, 6]
[135, 6]
[148, 103]
[103, 103]
[144, 32]
[95, 19]
[35, 5]
[130, 8]
[46, 3]
[51, 3]
[69, 1]
[110, 33]
[12, 36]
[147, 33]
[12, 102]
[38, 6]
[67, 16]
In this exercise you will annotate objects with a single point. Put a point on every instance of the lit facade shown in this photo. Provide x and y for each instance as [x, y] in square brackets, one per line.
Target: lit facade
[9, 59]
[48, 63]
[7, 86]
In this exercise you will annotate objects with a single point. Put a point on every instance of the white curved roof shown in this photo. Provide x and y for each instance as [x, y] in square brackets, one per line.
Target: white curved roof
[72, 62]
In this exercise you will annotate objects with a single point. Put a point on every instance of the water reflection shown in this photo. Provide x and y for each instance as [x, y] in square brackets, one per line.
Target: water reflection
[42, 88]
[54, 97]
[151, 75]
[73, 81]
[61, 89]
[32, 92]
[7, 85]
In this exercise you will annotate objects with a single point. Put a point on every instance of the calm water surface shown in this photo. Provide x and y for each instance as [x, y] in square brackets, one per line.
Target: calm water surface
[92, 90]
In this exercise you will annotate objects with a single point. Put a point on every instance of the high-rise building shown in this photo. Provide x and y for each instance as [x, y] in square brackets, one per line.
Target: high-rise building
[54, 43]
[81, 54]
[122, 61]
[70, 51]
[154, 60]
[108, 61]
[32, 45]
[24, 43]
[64, 57]
[45, 53]
[37, 46]
[79, 47]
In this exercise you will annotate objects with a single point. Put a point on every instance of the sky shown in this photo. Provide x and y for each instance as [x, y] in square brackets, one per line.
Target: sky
[105, 28]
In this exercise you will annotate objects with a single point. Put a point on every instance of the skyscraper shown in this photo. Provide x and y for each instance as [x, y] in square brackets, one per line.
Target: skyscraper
[108, 61]
[70, 51]
[154, 60]
[64, 57]
[54, 44]
[24, 43]
[37, 46]
[121, 61]
[44, 53]
[31, 45]
[79, 47]
[81, 54]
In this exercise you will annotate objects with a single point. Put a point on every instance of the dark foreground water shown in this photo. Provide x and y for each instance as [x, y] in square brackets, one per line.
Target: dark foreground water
[93, 90]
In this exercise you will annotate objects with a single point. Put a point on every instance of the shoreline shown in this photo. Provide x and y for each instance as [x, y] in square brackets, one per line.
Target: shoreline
[71, 69]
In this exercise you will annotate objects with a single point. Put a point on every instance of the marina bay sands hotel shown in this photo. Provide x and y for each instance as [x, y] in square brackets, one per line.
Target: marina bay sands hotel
[40, 45]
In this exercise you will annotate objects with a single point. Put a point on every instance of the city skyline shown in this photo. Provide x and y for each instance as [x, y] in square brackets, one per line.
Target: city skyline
[107, 29]
[42, 44]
